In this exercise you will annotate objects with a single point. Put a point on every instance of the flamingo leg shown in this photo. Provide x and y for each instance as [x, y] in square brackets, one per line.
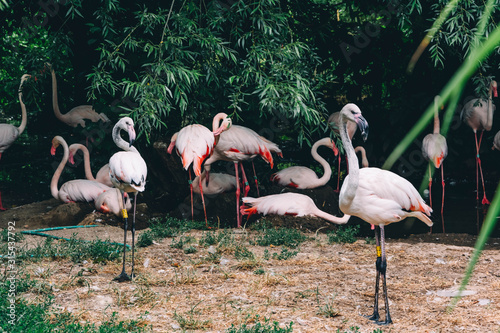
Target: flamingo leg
[190, 181]
[383, 269]
[430, 190]
[442, 197]
[244, 180]
[485, 201]
[477, 159]
[338, 177]
[255, 178]
[133, 234]
[202, 200]
[238, 218]
[123, 275]
[375, 316]
[1, 206]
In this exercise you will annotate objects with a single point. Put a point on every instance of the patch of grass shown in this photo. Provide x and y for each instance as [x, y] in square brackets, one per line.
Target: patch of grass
[10, 236]
[261, 224]
[183, 240]
[261, 327]
[355, 329]
[281, 237]
[190, 250]
[145, 239]
[327, 309]
[208, 238]
[285, 254]
[189, 321]
[259, 271]
[344, 234]
[242, 253]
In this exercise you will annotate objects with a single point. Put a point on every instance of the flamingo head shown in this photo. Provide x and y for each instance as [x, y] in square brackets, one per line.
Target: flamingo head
[127, 124]
[24, 78]
[352, 113]
[171, 146]
[226, 123]
[494, 88]
[334, 148]
[55, 144]
[71, 158]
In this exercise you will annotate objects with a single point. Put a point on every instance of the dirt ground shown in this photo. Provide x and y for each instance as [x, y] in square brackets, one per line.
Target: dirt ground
[172, 287]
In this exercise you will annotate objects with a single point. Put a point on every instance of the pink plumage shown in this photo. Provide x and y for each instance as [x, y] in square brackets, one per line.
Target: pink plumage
[103, 173]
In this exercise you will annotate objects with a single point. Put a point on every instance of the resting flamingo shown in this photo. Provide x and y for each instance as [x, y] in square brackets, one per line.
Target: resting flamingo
[333, 122]
[302, 177]
[496, 141]
[377, 196]
[295, 204]
[9, 133]
[111, 201]
[194, 143]
[73, 190]
[478, 114]
[242, 144]
[77, 115]
[219, 183]
[103, 173]
[128, 173]
[435, 150]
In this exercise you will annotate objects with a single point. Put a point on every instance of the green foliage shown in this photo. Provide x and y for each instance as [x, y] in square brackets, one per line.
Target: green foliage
[343, 234]
[285, 254]
[261, 327]
[281, 236]
[242, 252]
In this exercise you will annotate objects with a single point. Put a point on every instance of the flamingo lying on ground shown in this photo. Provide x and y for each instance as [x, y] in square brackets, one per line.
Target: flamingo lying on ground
[435, 149]
[194, 143]
[287, 204]
[478, 114]
[111, 201]
[77, 115]
[377, 196]
[333, 122]
[73, 190]
[302, 177]
[103, 173]
[219, 183]
[242, 144]
[9, 133]
[496, 141]
[128, 173]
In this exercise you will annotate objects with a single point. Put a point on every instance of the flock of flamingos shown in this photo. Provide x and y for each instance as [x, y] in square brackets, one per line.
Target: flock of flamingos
[377, 196]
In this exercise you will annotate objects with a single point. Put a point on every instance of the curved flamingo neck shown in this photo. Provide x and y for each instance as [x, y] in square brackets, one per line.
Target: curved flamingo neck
[489, 111]
[332, 218]
[352, 184]
[86, 160]
[120, 143]
[327, 171]
[24, 116]
[55, 103]
[436, 116]
[57, 174]
[364, 160]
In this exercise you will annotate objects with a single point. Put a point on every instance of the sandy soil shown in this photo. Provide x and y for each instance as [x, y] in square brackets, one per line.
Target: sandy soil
[173, 287]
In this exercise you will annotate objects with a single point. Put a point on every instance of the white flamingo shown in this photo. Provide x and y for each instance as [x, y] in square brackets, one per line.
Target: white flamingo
[128, 172]
[377, 196]
[219, 183]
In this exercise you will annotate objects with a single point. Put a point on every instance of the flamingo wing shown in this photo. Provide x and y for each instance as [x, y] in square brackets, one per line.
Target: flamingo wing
[194, 144]
[280, 204]
[103, 175]
[296, 176]
[128, 171]
[8, 134]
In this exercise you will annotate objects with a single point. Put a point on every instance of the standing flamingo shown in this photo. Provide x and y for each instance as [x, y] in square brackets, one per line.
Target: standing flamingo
[496, 141]
[333, 122]
[194, 143]
[377, 196]
[295, 204]
[435, 149]
[478, 114]
[242, 144]
[128, 172]
[103, 173]
[302, 177]
[73, 190]
[9, 133]
[77, 115]
[219, 183]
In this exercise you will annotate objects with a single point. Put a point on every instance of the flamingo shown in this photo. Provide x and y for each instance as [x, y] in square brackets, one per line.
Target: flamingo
[478, 114]
[377, 196]
[364, 160]
[302, 177]
[219, 183]
[103, 173]
[496, 141]
[194, 143]
[9, 133]
[73, 190]
[77, 115]
[333, 122]
[295, 204]
[128, 173]
[242, 144]
[435, 149]
[111, 201]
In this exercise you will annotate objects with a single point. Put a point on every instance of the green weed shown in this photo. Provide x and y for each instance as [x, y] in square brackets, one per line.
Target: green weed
[285, 254]
[261, 327]
[281, 237]
[344, 234]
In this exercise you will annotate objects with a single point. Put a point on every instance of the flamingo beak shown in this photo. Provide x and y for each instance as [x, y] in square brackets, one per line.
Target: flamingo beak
[71, 158]
[335, 149]
[495, 93]
[52, 150]
[171, 147]
[362, 125]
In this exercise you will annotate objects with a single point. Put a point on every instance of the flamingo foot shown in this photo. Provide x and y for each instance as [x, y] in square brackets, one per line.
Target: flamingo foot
[123, 277]
[485, 201]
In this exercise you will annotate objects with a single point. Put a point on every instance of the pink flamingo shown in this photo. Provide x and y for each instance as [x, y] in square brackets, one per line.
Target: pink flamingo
[302, 177]
[219, 183]
[294, 204]
[9, 133]
[377, 196]
[435, 149]
[333, 122]
[496, 141]
[242, 144]
[128, 172]
[103, 173]
[73, 190]
[111, 201]
[194, 143]
[364, 160]
[77, 115]
[478, 114]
